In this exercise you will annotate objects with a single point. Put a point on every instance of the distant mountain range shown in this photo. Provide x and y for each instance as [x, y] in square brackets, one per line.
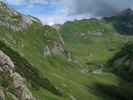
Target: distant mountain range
[89, 59]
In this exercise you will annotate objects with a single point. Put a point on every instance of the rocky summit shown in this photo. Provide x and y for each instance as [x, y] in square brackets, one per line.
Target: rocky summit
[13, 19]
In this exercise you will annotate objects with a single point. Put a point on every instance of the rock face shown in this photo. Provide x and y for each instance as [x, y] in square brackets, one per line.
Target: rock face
[13, 19]
[14, 80]
[57, 48]
[2, 95]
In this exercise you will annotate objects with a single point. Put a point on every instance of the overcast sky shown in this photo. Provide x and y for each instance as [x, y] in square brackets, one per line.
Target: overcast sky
[59, 11]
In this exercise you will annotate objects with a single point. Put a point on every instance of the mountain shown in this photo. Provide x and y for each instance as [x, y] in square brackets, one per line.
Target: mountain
[126, 12]
[122, 22]
[13, 19]
[122, 62]
[64, 62]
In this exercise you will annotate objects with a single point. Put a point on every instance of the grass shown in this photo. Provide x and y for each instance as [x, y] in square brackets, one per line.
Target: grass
[87, 46]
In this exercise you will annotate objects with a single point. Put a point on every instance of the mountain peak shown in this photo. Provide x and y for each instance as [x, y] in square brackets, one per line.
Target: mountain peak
[16, 20]
[126, 12]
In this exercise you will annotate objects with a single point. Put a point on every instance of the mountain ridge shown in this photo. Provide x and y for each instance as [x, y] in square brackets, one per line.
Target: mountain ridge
[68, 62]
[14, 19]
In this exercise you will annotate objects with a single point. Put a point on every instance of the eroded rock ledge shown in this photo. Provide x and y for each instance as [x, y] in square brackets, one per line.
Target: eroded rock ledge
[13, 80]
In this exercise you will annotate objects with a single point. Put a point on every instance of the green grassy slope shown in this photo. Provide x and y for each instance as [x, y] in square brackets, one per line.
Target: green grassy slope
[92, 42]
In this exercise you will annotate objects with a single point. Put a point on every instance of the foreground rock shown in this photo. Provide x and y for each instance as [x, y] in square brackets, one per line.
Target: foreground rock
[14, 81]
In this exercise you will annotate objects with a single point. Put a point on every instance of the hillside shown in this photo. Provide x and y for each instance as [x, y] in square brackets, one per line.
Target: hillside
[68, 62]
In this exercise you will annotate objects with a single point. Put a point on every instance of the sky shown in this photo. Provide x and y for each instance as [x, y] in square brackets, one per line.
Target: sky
[59, 11]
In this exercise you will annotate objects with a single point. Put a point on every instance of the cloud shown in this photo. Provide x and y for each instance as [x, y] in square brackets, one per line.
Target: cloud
[59, 11]
[96, 7]
[79, 9]
[58, 19]
[27, 2]
[38, 1]
[21, 2]
[14, 2]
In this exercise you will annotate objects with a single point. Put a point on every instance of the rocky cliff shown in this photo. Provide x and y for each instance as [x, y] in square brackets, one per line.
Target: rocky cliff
[13, 81]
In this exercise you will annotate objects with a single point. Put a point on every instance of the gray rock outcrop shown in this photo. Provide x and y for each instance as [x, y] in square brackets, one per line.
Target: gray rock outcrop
[14, 80]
